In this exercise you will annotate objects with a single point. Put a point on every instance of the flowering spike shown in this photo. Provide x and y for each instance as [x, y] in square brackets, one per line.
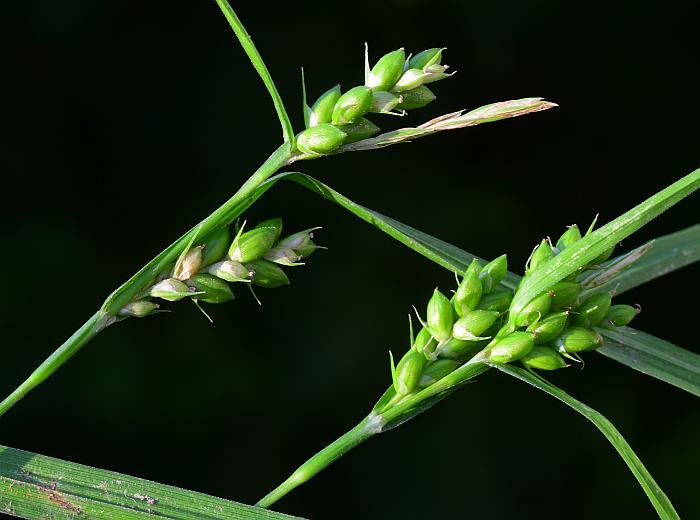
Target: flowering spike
[436, 371]
[571, 235]
[496, 301]
[283, 256]
[474, 324]
[564, 293]
[190, 265]
[550, 327]
[384, 103]
[533, 311]
[252, 244]
[408, 372]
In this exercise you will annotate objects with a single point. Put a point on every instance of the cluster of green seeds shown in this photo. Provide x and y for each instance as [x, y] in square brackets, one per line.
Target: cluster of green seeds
[553, 326]
[394, 85]
[204, 272]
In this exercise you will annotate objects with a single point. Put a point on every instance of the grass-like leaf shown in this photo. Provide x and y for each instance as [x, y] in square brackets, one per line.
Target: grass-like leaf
[663, 255]
[654, 357]
[588, 248]
[260, 67]
[38, 487]
[657, 497]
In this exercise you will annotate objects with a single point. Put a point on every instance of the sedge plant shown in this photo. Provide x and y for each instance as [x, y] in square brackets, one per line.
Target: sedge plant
[555, 314]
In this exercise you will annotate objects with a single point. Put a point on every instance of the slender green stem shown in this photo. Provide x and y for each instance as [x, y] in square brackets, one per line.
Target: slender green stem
[138, 283]
[259, 64]
[72, 345]
[390, 416]
[360, 433]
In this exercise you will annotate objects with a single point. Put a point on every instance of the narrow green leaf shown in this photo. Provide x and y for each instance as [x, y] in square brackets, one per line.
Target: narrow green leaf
[665, 255]
[260, 67]
[653, 356]
[588, 248]
[38, 487]
[657, 497]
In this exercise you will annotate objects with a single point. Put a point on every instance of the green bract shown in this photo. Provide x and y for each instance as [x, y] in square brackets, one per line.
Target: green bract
[569, 237]
[496, 301]
[230, 271]
[170, 289]
[539, 256]
[412, 78]
[425, 58]
[533, 311]
[266, 274]
[565, 293]
[512, 347]
[440, 316]
[542, 357]
[384, 102]
[282, 256]
[578, 339]
[493, 272]
[408, 372]
[621, 315]
[592, 311]
[354, 103]
[416, 98]
[320, 140]
[358, 130]
[468, 293]
[436, 371]
[213, 289]
[322, 111]
[138, 309]
[387, 71]
[215, 245]
[252, 244]
[474, 324]
[549, 328]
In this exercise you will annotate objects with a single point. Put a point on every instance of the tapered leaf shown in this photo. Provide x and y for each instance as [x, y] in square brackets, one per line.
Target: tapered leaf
[657, 497]
[663, 255]
[37, 487]
[653, 356]
[590, 247]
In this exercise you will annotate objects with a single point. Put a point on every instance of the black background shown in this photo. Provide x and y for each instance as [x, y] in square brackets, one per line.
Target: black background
[130, 121]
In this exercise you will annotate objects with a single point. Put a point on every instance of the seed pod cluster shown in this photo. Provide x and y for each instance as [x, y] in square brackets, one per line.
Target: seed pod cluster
[203, 273]
[555, 325]
[394, 85]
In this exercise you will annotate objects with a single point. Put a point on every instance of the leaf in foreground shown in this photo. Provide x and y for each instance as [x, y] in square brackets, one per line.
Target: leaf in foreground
[37, 487]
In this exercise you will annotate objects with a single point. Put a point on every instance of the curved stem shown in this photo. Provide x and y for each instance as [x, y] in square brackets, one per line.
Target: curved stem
[141, 280]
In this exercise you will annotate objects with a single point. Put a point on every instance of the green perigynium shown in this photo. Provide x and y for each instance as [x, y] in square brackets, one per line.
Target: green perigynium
[205, 270]
[475, 324]
[393, 86]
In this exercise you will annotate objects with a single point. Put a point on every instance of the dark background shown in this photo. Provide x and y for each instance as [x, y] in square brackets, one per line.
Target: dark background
[130, 121]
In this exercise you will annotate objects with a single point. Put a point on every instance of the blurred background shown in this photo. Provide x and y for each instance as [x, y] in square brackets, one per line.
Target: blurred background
[128, 122]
